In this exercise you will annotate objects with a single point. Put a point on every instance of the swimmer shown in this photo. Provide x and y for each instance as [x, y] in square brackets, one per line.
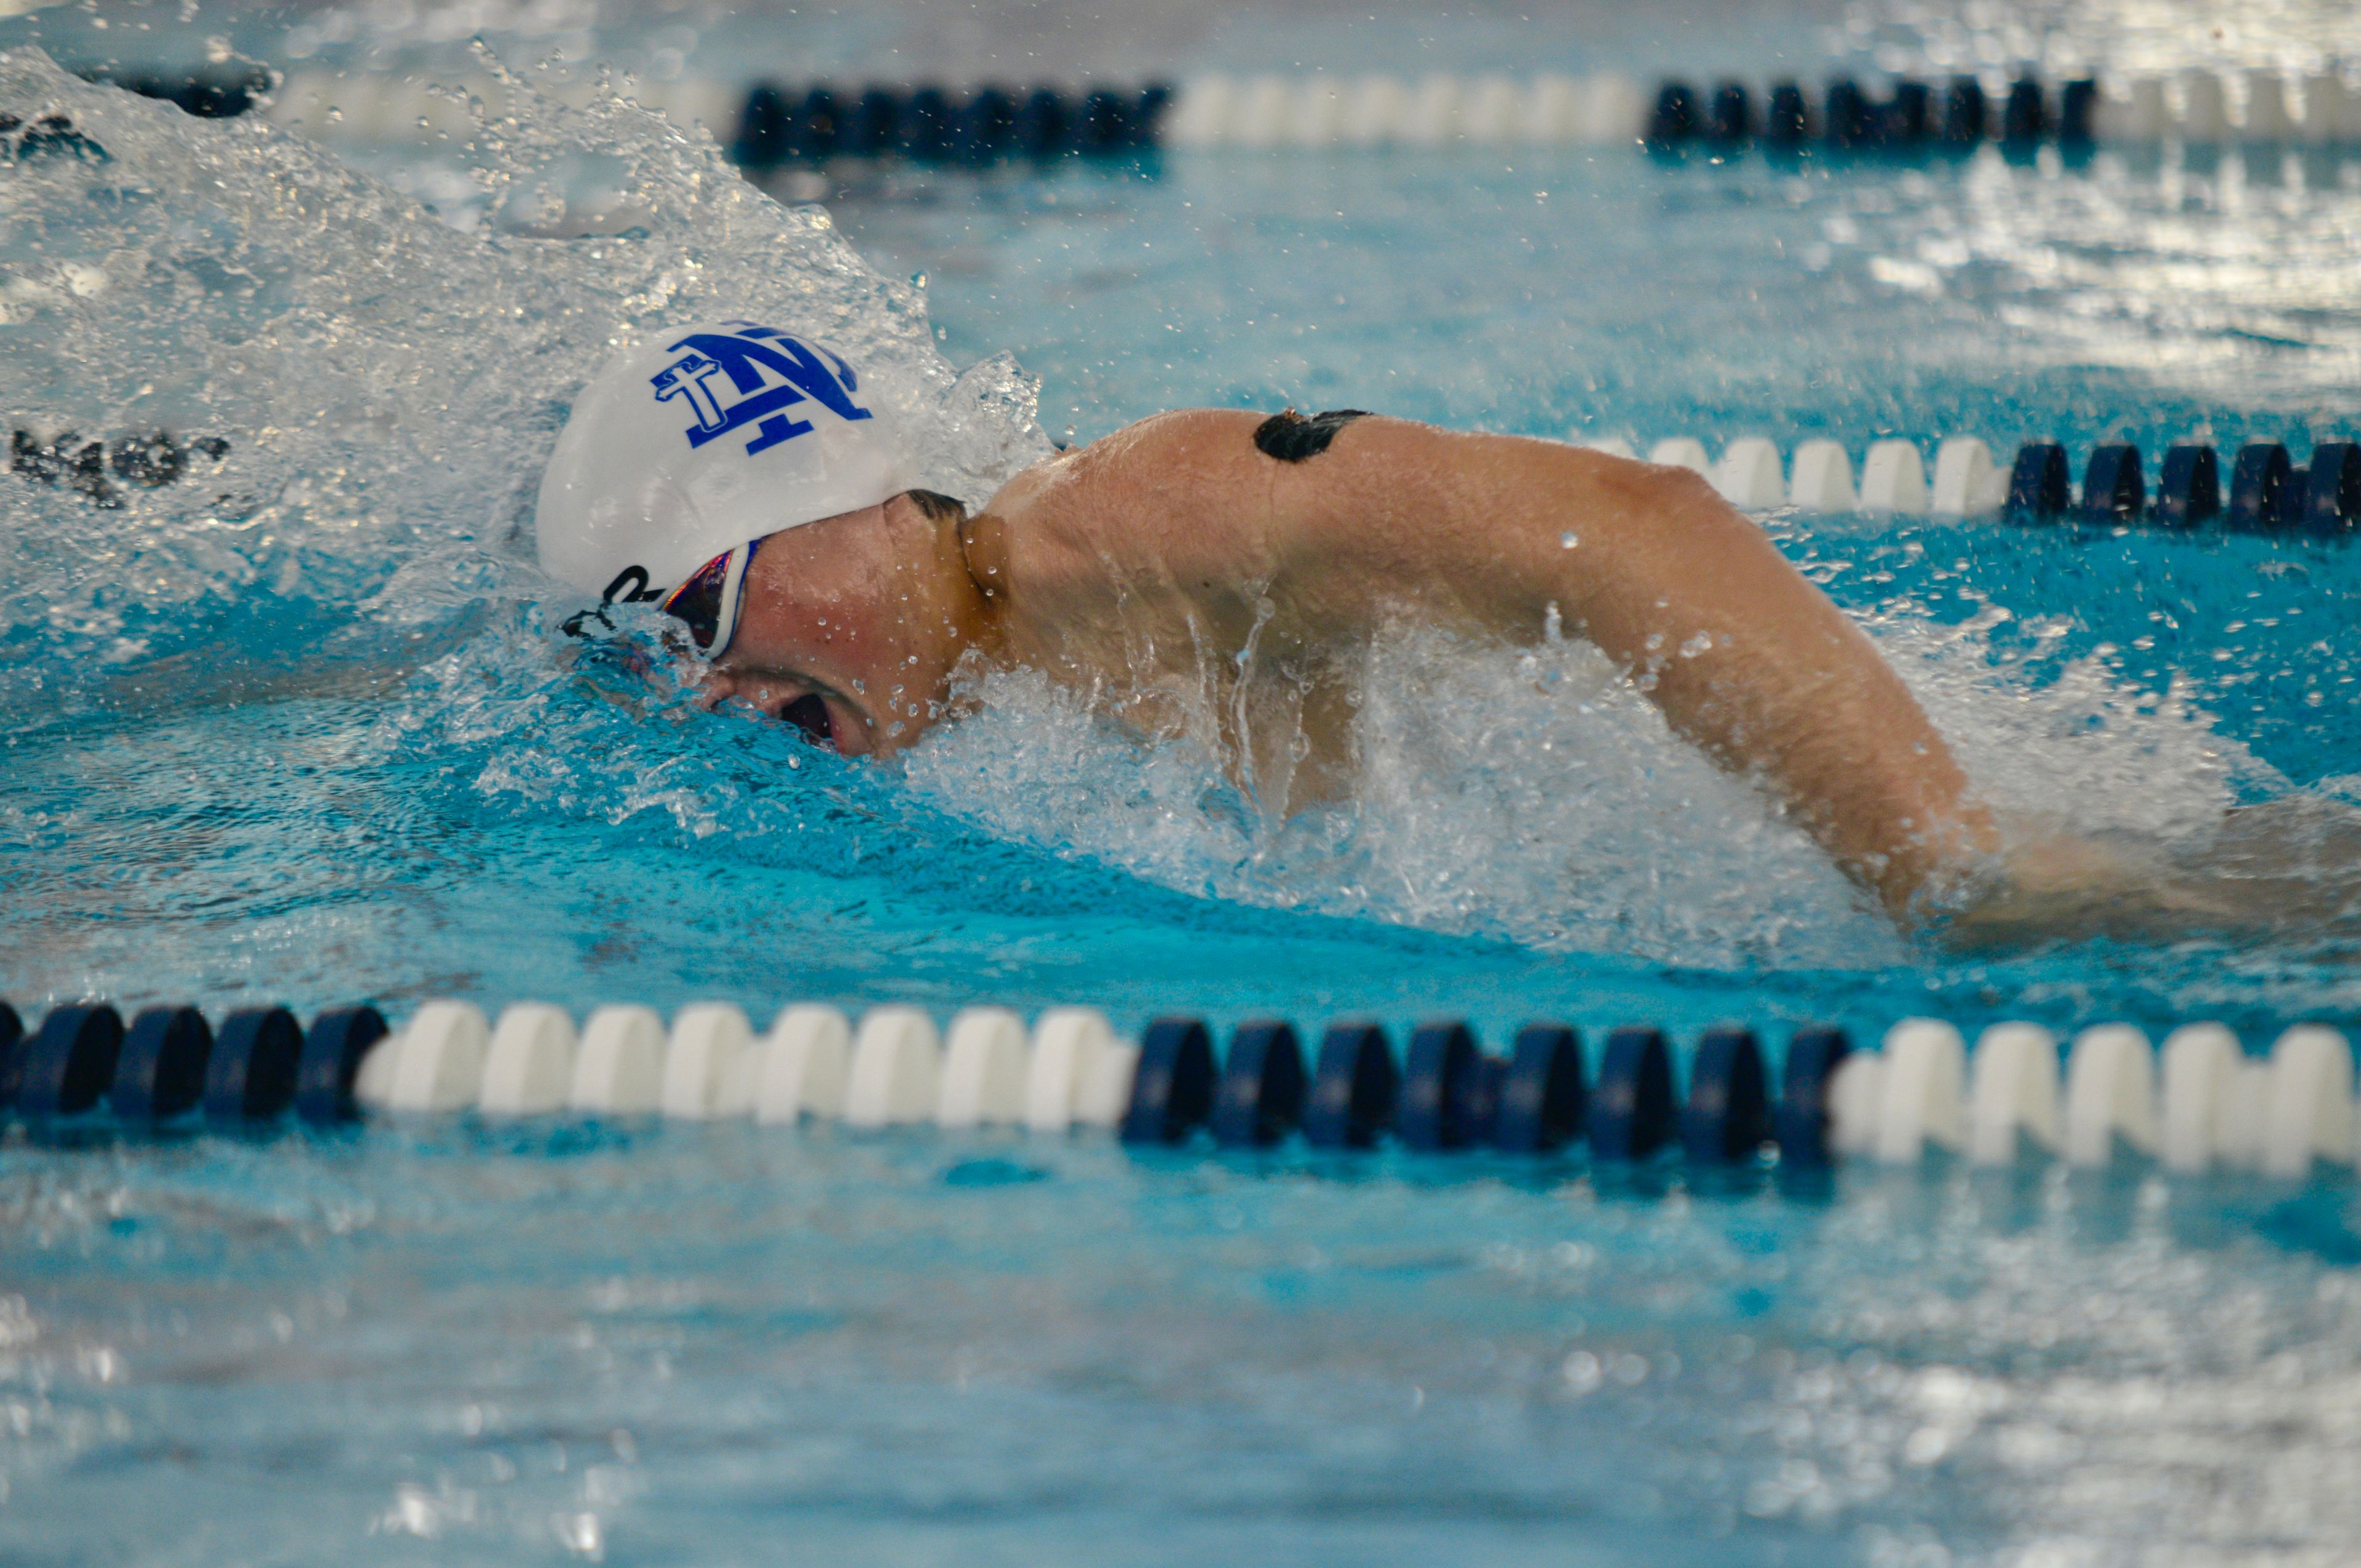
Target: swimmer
[1200, 568]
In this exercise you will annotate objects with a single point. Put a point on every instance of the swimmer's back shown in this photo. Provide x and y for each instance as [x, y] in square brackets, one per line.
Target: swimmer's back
[1323, 523]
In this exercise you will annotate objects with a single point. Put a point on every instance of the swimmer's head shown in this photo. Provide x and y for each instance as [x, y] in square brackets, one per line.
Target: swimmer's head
[744, 480]
[685, 452]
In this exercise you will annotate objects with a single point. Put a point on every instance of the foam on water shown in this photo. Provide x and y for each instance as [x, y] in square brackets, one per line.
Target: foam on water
[1539, 797]
[390, 385]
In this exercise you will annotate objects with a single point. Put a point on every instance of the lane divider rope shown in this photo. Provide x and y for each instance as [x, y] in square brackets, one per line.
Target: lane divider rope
[2201, 1104]
[766, 124]
[2263, 491]
[2195, 107]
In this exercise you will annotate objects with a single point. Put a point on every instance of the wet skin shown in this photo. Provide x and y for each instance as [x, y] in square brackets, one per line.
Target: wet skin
[1186, 581]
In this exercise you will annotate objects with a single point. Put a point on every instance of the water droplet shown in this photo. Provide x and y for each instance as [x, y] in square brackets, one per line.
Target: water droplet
[1567, 540]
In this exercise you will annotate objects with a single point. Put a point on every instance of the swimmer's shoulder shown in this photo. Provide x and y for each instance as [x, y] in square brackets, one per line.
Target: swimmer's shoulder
[1189, 459]
[1196, 457]
[1230, 484]
[1232, 464]
[1179, 496]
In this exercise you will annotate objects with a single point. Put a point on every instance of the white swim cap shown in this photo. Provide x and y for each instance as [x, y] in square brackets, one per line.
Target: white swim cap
[683, 452]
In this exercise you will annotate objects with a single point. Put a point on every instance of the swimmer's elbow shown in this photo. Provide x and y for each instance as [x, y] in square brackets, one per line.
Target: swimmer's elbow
[1658, 502]
[1663, 490]
[1641, 533]
[1626, 485]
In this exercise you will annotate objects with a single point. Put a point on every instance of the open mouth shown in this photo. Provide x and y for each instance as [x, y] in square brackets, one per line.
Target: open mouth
[810, 714]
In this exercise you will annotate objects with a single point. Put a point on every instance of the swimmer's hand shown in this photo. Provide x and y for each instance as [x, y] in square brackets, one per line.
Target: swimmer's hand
[2054, 889]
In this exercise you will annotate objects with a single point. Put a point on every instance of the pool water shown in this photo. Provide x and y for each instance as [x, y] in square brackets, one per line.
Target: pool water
[298, 729]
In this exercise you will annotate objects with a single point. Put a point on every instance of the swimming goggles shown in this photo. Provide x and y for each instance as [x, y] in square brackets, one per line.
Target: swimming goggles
[709, 603]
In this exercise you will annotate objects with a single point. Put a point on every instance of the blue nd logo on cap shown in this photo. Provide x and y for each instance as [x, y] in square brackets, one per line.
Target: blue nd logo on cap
[644, 494]
[751, 357]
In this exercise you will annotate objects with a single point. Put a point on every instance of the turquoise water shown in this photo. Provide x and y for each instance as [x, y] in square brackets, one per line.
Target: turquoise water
[466, 807]
[298, 729]
[724, 1347]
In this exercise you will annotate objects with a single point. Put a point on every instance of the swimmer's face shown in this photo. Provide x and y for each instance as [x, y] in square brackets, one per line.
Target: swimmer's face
[850, 627]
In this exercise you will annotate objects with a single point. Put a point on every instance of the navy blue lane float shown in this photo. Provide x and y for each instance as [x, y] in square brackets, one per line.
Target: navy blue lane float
[63, 1067]
[1354, 1086]
[1674, 118]
[2113, 490]
[1802, 1119]
[2267, 493]
[931, 124]
[333, 1050]
[1727, 1117]
[1730, 116]
[1540, 1104]
[169, 1064]
[161, 1072]
[2189, 489]
[1787, 123]
[1443, 1091]
[1913, 116]
[207, 95]
[1967, 114]
[1260, 1099]
[1632, 1113]
[1172, 1088]
[2038, 487]
[251, 1074]
[1448, 1096]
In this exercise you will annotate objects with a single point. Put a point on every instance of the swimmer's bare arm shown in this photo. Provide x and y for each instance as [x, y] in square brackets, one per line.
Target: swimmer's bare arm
[1746, 659]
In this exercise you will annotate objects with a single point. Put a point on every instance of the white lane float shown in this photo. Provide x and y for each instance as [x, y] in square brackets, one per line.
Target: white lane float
[807, 1061]
[2013, 1094]
[2110, 1095]
[1822, 480]
[1921, 1100]
[529, 1066]
[896, 1063]
[2308, 1112]
[983, 1078]
[1680, 452]
[438, 1059]
[708, 1063]
[1748, 474]
[2202, 1066]
[619, 1064]
[1066, 1044]
[1893, 479]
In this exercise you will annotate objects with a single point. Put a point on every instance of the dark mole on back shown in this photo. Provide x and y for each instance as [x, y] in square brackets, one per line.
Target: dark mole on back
[1290, 438]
